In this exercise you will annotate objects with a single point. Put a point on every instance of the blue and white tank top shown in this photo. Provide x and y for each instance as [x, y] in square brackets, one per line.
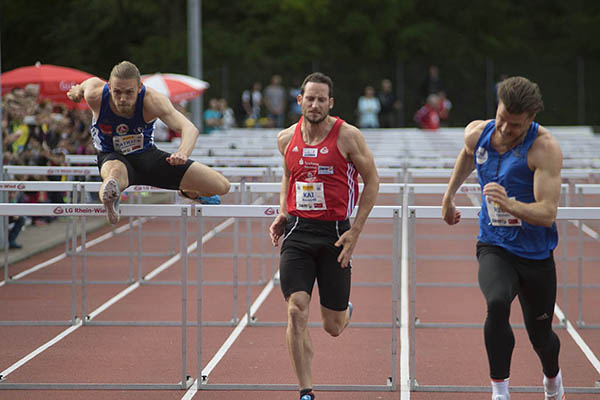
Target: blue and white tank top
[112, 133]
[512, 172]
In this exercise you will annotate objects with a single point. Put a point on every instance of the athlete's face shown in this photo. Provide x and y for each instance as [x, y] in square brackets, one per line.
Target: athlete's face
[315, 102]
[123, 93]
[511, 127]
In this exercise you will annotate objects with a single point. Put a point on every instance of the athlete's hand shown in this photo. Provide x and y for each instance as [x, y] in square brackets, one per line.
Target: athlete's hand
[75, 94]
[449, 213]
[277, 228]
[348, 242]
[496, 194]
[177, 159]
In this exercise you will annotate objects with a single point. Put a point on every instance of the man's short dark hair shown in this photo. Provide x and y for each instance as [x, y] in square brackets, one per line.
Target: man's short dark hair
[520, 95]
[318, 77]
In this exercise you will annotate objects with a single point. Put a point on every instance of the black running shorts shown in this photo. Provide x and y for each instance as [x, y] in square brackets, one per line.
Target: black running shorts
[308, 254]
[149, 168]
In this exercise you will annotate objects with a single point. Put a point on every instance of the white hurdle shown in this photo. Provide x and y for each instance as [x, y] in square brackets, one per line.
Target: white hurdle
[184, 212]
[416, 213]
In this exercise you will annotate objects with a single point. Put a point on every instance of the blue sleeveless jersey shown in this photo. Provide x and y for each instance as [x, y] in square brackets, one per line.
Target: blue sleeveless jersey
[511, 171]
[112, 133]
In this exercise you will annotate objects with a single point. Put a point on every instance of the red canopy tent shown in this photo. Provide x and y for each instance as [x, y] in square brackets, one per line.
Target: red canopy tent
[54, 81]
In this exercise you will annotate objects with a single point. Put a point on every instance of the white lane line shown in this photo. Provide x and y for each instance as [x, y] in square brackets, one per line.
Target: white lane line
[93, 314]
[231, 339]
[37, 267]
[39, 350]
[578, 339]
[209, 235]
[62, 256]
[586, 229]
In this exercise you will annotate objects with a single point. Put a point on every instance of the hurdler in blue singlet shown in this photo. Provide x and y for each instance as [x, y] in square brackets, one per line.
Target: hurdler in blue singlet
[112, 133]
[511, 171]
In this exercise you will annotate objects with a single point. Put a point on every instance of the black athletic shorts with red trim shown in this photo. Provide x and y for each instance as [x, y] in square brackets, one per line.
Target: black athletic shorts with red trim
[308, 254]
[148, 168]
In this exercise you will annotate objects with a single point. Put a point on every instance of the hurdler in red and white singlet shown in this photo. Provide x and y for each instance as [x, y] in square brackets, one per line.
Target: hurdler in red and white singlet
[323, 184]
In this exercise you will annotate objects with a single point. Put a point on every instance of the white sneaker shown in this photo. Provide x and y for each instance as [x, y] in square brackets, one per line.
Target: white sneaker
[558, 395]
[110, 198]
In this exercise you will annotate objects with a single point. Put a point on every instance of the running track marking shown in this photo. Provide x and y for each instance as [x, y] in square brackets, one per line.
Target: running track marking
[62, 256]
[111, 301]
[578, 339]
[232, 338]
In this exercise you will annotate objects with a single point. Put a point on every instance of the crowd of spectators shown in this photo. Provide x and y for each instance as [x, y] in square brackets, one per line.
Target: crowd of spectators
[39, 134]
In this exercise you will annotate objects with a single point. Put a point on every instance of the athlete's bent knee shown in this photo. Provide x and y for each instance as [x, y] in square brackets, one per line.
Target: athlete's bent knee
[498, 308]
[334, 328]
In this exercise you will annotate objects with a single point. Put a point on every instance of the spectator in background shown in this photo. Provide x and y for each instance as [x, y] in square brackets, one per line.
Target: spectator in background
[227, 115]
[212, 116]
[295, 110]
[432, 84]
[390, 105]
[368, 109]
[252, 101]
[428, 116]
[275, 101]
[15, 223]
[445, 105]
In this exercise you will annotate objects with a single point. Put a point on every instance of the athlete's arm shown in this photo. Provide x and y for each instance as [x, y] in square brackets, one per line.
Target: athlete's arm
[277, 227]
[545, 159]
[91, 91]
[157, 105]
[352, 144]
[463, 167]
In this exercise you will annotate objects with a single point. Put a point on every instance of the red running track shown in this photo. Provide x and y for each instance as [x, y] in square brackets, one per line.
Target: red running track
[360, 356]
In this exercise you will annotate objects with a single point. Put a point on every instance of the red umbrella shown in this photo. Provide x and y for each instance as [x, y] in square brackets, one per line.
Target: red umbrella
[175, 86]
[54, 82]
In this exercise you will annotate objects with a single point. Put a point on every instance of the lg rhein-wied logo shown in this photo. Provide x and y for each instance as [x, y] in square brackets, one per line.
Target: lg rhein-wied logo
[15, 186]
[67, 171]
[60, 210]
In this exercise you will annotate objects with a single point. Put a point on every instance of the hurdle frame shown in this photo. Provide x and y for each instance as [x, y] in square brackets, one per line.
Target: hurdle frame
[261, 211]
[83, 211]
[434, 212]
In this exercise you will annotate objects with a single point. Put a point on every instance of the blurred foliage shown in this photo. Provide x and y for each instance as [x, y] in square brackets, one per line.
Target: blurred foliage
[357, 42]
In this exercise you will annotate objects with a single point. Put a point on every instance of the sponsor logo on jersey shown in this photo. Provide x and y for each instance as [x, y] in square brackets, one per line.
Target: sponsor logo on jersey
[309, 152]
[325, 170]
[295, 149]
[106, 129]
[324, 150]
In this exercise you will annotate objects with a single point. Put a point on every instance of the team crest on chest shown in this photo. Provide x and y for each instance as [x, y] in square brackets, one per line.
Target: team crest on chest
[324, 150]
[481, 155]
[122, 129]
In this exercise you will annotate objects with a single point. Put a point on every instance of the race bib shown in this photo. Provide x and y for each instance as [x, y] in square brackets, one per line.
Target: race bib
[499, 217]
[128, 144]
[310, 196]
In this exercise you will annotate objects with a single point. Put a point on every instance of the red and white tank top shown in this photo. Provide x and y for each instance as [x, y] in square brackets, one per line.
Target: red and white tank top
[323, 184]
